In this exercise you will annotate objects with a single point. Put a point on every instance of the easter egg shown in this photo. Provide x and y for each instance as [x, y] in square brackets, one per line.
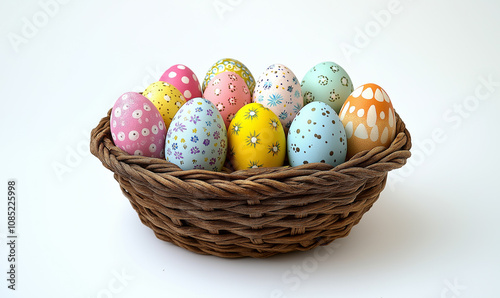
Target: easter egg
[316, 135]
[233, 65]
[197, 137]
[166, 98]
[369, 119]
[279, 90]
[228, 92]
[327, 82]
[184, 79]
[137, 127]
[256, 138]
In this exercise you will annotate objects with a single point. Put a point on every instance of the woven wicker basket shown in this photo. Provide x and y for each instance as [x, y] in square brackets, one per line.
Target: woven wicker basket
[251, 213]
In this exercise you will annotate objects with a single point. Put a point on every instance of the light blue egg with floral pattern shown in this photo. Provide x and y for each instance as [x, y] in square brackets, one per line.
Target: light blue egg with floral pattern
[197, 137]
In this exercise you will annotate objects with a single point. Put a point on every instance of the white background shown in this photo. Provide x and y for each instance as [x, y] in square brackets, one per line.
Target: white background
[433, 232]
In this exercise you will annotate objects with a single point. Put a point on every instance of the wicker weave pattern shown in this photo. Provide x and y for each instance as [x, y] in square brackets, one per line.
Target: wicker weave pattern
[255, 213]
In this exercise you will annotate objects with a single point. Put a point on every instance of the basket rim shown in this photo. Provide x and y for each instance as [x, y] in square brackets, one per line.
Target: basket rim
[395, 155]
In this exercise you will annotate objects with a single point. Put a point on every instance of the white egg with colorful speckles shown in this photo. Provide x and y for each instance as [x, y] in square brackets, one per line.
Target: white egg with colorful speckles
[279, 90]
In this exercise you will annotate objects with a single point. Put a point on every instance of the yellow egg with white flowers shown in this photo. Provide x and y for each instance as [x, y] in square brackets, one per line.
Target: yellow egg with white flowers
[256, 138]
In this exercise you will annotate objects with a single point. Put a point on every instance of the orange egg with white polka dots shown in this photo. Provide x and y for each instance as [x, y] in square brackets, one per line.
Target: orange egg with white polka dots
[369, 119]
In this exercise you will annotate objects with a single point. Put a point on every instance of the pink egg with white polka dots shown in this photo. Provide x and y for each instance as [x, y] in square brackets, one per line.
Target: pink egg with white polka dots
[184, 79]
[229, 93]
[137, 126]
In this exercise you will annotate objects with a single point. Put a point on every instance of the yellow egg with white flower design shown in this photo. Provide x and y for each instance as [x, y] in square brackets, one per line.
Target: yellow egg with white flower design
[256, 138]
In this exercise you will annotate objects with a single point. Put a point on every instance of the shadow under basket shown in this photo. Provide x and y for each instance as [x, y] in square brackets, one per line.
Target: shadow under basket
[251, 213]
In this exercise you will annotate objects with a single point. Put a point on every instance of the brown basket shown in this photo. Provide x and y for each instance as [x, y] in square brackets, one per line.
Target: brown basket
[251, 213]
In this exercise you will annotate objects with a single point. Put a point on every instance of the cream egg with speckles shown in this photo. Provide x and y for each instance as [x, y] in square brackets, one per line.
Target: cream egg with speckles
[279, 90]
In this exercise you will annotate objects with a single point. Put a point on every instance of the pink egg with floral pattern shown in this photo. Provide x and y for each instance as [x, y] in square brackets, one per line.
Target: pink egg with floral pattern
[184, 79]
[228, 92]
[137, 126]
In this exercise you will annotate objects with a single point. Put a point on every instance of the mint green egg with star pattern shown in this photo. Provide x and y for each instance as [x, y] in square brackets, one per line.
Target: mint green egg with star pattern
[327, 82]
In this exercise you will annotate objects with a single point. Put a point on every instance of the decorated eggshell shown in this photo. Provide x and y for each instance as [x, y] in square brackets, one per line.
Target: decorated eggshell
[327, 82]
[184, 79]
[197, 137]
[137, 127]
[256, 138]
[316, 135]
[369, 119]
[228, 92]
[233, 65]
[279, 90]
[166, 98]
